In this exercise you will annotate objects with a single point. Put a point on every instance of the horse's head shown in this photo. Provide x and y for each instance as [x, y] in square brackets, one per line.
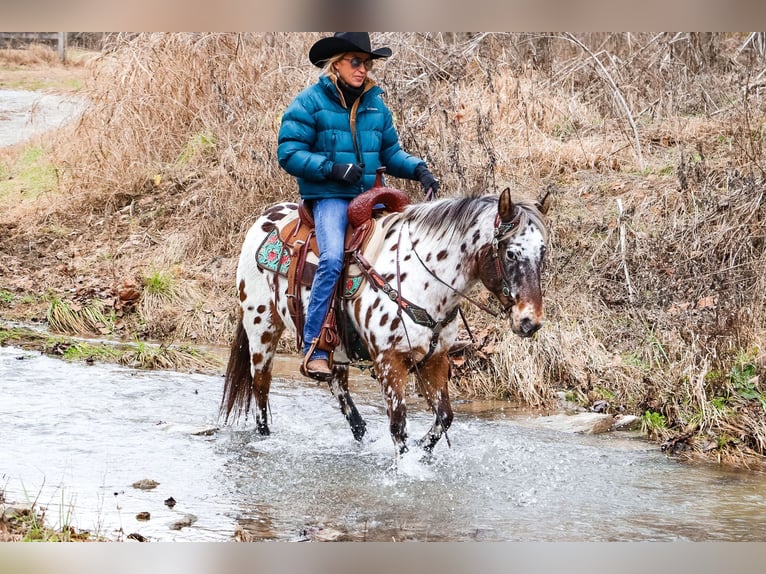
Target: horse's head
[512, 264]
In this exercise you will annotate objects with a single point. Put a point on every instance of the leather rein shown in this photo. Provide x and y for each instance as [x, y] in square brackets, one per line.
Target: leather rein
[501, 233]
[419, 315]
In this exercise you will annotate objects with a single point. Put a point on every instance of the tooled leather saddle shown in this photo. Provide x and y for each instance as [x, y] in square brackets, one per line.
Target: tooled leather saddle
[291, 250]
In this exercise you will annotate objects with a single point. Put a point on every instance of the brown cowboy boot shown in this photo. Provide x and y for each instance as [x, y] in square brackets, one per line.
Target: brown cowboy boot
[317, 369]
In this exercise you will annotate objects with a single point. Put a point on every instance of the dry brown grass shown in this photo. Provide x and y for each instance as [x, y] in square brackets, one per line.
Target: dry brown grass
[34, 55]
[39, 68]
[655, 283]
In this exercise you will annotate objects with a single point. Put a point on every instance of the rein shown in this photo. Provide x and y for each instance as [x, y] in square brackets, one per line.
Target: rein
[502, 230]
[418, 315]
[463, 295]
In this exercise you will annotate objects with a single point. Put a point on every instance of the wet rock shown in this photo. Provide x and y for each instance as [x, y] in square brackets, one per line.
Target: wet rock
[187, 520]
[143, 516]
[10, 512]
[600, 406]
[626, 423]
[170, 502]
[145, 484]
[586, 423]
[136, 536]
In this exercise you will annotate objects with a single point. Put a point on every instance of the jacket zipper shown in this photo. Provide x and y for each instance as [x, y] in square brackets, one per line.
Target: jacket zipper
[352, 122]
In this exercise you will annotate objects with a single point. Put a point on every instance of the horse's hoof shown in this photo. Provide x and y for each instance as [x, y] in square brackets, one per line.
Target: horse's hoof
[427, 455]
[359, 431]
[263, 430]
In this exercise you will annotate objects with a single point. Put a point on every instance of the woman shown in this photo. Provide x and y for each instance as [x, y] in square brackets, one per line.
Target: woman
[333, 137]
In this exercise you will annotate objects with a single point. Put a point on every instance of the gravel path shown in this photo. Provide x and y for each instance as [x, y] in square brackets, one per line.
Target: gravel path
[24, 114]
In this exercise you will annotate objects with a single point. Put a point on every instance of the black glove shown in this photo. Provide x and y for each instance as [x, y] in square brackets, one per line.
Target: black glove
[427, 180]
[349, 173]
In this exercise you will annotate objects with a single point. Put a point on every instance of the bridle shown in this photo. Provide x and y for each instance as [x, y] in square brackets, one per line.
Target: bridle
[503, 231]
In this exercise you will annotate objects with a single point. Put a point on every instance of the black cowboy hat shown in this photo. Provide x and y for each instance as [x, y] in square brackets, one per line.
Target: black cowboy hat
[325, 48]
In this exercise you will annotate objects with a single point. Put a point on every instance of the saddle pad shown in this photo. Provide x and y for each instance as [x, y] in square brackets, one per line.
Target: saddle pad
[275, 256]
[272, 254]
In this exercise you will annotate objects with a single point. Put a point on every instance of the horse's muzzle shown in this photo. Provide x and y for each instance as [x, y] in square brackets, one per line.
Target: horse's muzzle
[527, 327]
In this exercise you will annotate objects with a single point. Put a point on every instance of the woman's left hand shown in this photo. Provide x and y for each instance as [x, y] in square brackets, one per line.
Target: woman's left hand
[428, 181]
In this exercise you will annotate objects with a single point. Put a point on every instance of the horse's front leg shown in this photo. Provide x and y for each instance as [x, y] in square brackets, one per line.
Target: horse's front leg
[392, 374]
[433, 378]
[339, 388]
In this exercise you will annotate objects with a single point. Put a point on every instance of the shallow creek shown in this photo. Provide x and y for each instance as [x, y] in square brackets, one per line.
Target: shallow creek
[75, 437]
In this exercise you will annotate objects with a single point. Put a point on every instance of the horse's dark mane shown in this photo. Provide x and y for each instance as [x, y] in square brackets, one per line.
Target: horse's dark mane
[457, 216]
[453, 215]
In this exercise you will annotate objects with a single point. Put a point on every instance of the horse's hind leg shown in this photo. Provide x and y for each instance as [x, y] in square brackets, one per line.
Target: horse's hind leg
[264, 327]
[339, 388]
[433, 378]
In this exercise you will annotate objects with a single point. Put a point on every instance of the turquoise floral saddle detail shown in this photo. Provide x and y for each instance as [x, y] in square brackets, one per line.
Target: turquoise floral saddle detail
[275, 256]
[272, 254]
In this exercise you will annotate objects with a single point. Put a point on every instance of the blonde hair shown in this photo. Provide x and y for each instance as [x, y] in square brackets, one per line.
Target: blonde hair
[329, 68]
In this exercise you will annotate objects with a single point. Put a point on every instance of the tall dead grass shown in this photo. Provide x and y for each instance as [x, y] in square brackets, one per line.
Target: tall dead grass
[655, 283]
[34, 55]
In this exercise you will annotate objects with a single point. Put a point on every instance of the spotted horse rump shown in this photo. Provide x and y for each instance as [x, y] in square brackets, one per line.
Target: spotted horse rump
[430, 255]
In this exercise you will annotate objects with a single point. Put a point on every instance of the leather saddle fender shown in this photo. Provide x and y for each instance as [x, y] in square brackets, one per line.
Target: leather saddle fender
[300, 244]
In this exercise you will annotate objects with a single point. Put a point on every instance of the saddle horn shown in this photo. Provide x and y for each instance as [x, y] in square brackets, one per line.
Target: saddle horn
[379, 176]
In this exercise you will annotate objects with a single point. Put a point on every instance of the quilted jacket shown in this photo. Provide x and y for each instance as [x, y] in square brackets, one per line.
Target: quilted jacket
[318, 130]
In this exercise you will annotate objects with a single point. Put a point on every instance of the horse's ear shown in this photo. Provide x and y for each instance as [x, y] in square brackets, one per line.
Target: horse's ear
[543, 203]
[505, 206]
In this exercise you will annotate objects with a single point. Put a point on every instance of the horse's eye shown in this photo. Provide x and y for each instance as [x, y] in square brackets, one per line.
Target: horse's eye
[511, 255]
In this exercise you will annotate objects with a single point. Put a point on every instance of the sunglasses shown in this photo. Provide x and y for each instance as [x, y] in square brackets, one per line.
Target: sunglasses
[356, 62]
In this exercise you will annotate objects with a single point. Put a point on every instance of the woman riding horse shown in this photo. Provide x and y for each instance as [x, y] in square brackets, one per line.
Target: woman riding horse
[334, 136]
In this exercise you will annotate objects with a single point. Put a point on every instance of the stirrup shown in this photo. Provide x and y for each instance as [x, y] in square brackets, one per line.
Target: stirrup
[316, 375]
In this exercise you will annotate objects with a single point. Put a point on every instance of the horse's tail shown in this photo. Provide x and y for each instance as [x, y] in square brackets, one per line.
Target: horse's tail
[238, 382]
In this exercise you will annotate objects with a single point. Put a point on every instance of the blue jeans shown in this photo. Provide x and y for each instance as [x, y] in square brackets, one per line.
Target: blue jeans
[330, 220]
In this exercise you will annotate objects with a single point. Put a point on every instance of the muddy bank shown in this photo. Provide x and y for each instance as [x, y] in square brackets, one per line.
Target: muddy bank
[139, 355]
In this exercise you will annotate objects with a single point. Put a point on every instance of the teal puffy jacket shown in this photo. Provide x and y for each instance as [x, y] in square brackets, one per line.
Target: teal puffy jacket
[316, 133]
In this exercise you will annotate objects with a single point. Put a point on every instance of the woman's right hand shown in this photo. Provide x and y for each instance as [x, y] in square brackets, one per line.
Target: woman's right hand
[349, 173]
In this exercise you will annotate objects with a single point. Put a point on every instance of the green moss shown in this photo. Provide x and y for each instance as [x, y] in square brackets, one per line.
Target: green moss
[138, 354]
[199, 145]
[81, 351]
[32, 174]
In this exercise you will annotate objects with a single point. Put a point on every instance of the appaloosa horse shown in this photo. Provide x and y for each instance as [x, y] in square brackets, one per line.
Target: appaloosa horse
[431, 255]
